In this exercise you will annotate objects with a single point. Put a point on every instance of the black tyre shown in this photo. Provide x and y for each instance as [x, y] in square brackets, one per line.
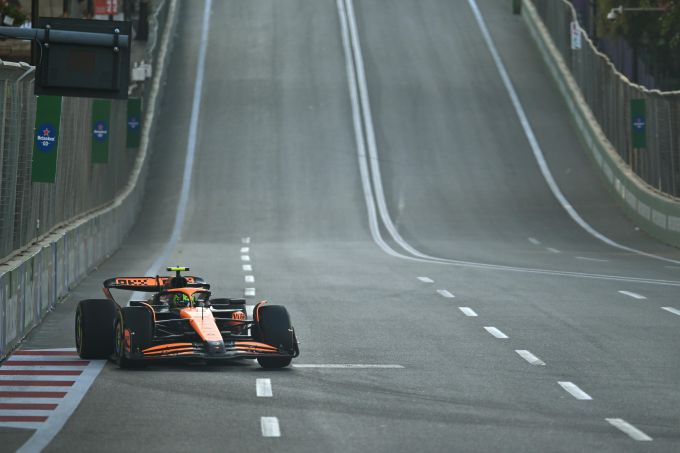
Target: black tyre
[274, 328]
[139, 322]
[94, 328]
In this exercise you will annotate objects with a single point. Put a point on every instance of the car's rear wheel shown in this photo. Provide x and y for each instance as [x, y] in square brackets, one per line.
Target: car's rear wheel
[94, 328]
[138, 322]
[274, 328]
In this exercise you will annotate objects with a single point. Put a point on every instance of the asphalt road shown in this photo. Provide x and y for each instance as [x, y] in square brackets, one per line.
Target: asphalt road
[278, 161]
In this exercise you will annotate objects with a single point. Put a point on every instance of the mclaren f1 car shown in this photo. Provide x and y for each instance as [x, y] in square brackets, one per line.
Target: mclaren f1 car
[181, 321]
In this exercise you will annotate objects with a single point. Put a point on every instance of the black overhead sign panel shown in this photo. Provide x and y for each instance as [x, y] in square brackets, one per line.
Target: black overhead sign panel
[93, 63]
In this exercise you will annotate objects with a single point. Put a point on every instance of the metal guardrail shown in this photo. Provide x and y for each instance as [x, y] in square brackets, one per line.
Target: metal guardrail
[87, 227]
[608, 94]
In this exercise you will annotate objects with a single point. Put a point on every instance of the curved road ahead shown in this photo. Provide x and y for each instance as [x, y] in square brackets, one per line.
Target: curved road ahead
[373, 157]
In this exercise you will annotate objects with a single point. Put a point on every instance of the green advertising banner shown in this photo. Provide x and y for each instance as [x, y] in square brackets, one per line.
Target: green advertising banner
[134, 122]
[101, 121]
[46, 138]
[638, 118]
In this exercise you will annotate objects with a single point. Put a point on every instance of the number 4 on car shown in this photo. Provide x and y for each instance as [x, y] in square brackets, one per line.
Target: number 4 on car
[181, 321]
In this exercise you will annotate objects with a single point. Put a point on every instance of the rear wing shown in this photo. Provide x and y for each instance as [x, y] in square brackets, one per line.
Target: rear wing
[150, 284]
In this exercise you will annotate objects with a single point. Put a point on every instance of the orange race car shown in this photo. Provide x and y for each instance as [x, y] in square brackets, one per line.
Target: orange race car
[180, 320]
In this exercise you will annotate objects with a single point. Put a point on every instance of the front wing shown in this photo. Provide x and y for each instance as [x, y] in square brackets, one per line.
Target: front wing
[230, 349]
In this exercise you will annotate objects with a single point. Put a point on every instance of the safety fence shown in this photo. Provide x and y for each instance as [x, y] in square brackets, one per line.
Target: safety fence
[88, 211]
[642, 180]
[608, 94]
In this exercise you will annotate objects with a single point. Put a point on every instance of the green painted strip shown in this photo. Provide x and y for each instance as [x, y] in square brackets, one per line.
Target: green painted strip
[46, 139]
[101, 128]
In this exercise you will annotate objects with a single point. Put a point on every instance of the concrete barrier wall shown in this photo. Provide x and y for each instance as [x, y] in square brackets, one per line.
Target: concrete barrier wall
[656, 213]
[33, 282]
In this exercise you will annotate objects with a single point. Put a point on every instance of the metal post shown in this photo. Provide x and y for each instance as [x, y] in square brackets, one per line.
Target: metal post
[35, 13]
[516, 6]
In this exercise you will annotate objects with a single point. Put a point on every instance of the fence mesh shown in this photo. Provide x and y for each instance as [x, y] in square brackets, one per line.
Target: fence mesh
[29, 210]
[608, 94]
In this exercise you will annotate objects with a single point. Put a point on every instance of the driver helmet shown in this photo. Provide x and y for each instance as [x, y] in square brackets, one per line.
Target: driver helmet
[180, 300]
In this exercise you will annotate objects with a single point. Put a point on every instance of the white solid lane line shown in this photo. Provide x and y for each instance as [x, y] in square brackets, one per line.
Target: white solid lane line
[585, 258]
[263, 387]
[467, 311]
[675, 311]
[496, 333]
[245, 258]
[445, 293]
[249, 278]
[529, 357]
[249, 292]
[574, 390]
[629, 429]
[425, 279]
[245, 240]
[534, 241]
[245, 249]
[632, 294]
[247, 268]
[348, 365]
[552, 250]
[270, 427]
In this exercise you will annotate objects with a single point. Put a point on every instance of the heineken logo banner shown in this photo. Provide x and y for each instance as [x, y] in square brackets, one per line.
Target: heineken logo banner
[638, 117]
[46, 139]
[134, 122]
[101, 121]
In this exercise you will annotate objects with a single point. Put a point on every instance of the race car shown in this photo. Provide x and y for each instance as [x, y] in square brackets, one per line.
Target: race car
[181, 321]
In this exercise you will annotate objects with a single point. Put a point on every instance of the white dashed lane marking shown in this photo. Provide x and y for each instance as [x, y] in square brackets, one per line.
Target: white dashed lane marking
[245, 257]
[426, 279]
[263, 387]
[633, 295]
[467, 311]
[270, 427]
[597, 260]
[445, 293]
[245, 240]
[249, 278]
[245, 249]
[496, 333]
[249, 292]
[529, 357]
[534, 241]
[552, 250]
[247, 268]
[675, 311]
[629, 429]
[574, 390]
